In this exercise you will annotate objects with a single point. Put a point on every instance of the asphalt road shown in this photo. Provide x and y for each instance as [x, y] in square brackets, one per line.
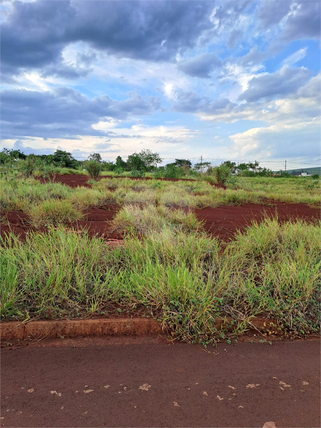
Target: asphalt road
[149, 383]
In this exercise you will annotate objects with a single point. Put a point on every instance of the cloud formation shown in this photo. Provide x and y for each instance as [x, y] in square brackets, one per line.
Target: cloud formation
[113, 75]
[282, 83]
[34, 34]
[201, 65]
[65, 112]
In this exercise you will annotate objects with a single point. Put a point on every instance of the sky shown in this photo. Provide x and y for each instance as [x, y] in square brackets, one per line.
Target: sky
[223, 80]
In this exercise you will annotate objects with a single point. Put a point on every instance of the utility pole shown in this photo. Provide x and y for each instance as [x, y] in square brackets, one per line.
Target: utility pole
[285, 166]
[202, 164]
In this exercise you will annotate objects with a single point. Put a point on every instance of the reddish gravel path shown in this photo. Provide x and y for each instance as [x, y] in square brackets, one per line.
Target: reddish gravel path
[147, 383]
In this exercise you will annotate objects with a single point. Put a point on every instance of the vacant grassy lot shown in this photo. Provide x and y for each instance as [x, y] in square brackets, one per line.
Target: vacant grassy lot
[167, 267]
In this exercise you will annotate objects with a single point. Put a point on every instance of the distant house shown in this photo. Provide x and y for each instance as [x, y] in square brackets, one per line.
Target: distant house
[305, 174]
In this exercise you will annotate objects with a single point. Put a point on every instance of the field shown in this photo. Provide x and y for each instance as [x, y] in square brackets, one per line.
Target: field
[184, 252]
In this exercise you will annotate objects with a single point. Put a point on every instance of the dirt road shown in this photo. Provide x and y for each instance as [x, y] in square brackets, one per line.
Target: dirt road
[147, 382]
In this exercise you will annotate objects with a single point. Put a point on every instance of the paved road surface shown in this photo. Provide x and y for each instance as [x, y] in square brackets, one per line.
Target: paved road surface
[149, 383]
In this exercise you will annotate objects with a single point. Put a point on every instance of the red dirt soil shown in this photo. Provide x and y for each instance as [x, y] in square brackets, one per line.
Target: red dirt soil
[222, 222]
[95, 222]
[75, 180]
[137, 382]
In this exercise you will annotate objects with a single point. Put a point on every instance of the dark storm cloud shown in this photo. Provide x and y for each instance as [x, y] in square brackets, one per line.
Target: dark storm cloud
[34, 34]
[283, 83]
[201, 65]
[64, 112]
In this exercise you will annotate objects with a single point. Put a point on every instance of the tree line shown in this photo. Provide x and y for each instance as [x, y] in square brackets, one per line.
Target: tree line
[137, 164]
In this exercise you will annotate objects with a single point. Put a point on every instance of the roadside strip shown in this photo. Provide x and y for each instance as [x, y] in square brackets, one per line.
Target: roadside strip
[53, 329]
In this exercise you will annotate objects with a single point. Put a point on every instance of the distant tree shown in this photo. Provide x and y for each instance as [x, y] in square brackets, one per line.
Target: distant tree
[14, 154]
[4, 157]
[173, 171]
[231, 165]
[108, 166]
[145, 160]
[183, 163]
[64, 159]
[136, 163]
[202, 166]
[242, 167]
[95, 157]
[120, 163]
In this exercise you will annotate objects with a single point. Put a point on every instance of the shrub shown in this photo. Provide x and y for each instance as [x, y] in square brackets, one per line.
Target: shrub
[93, 168]
[221, 174]
[27, 166]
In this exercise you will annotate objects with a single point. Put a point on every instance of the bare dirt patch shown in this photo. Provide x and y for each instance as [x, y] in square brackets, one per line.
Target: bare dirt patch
[223, 222]
[75, 180]
[96, 222]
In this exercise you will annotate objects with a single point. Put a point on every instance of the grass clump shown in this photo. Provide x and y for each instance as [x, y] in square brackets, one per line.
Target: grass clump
[220, 174]
[276, 271]
[143, 196]
[134, 219]
[53, 213]
[184, 279]
[51, 275]
[177, 196]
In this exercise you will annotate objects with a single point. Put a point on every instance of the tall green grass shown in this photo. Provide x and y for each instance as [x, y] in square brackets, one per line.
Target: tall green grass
[183, 279]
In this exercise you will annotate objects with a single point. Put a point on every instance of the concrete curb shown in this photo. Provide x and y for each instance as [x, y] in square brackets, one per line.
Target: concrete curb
[79, 328]
[53, 329]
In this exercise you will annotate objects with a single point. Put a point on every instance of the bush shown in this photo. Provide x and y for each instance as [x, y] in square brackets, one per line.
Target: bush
[93, 168]
[221, 174]
[27, 166]
[315, 176]
[137, 173]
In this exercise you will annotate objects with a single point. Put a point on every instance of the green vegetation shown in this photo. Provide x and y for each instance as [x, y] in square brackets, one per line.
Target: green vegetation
[183, 279]
[167, 267]
[93, 167]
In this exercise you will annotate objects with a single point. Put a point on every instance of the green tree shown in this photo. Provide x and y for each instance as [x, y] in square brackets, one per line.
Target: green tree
[231, 165]
[14, 154]
[64, 159]
[136, 163]
[4, 157]
[108, 166]
[183, 163]
[95, 157]
[202, 166]
[120, 163]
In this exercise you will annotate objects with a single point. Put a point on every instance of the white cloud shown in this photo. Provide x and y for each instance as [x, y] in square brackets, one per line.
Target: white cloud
[279, 140]
[169, 141]
[295, 57]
